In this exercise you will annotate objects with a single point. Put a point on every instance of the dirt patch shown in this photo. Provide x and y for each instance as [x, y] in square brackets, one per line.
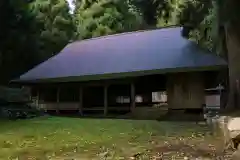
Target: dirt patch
[184, 150]
[190, 151]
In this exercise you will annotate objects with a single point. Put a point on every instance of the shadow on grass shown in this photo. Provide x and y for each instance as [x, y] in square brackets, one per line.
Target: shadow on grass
[8, 125]
[129, 116]
[68, 120]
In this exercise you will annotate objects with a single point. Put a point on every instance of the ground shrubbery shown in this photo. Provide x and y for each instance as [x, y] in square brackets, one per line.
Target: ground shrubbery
[18, 110]
[15, 104]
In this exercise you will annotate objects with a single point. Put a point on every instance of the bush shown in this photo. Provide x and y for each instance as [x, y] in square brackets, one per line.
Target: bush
[14, 104]
[19, 111]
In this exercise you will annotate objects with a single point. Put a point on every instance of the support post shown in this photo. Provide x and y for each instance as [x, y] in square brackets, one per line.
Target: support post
[30, 96]
[105, 99]
[80, 109]
[133, 104]
[58, 95]
[37, 100]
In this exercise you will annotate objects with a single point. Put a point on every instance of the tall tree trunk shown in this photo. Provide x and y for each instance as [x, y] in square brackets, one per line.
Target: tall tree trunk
[233, 48]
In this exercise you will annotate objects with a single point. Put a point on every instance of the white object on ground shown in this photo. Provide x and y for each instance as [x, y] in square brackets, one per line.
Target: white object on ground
[234, 127]
[234, 124]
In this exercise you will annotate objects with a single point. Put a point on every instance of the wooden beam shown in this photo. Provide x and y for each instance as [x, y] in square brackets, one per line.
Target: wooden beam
[105, 100]
[58, 95]
[80, 109]
[133, 104]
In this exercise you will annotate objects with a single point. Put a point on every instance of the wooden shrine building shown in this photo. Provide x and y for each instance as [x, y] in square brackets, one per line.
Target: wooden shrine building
[110, 73]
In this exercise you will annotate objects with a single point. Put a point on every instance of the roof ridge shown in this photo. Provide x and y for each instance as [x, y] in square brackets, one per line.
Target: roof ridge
[124, 33]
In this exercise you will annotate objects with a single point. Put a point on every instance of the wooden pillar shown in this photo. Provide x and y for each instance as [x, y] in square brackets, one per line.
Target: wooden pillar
[105, 100]
[30, 95]
[58, 94]
[132, 97]
[80, 109]
[37, 99]
[148, 96]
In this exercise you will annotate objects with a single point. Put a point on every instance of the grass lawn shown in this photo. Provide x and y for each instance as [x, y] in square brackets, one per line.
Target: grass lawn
[75, 138]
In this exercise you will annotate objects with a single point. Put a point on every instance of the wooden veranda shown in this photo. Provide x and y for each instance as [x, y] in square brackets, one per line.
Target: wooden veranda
[184, 90]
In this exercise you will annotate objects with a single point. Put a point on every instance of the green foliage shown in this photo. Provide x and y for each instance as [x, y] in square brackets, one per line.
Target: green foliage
[55, 25]
[193, 12]
[201, 22]
[31, 31]
[208, 21]
[17, 38]
[156, 12]
[206, 32]
[96, 18]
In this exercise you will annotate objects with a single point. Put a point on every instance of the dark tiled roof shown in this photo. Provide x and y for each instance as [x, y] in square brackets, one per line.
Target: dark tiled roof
[159, 49]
